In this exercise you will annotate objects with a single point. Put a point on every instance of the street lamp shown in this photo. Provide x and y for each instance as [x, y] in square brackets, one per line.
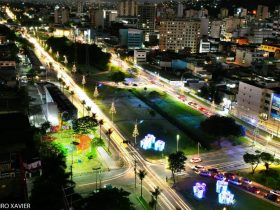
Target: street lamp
[74, 68]
[113, 110]
[95, 93]
[135, 132]
[268, 138]
[177, 140]
[84, 82]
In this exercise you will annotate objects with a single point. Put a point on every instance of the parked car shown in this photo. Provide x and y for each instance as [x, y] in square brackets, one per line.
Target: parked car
[271, 197]
[276, 192]
[195, 160]
[229, 175]
[254, 190]
[235, 181]
[219, 177]
[214, 171]
[205, 173]
[246, 181]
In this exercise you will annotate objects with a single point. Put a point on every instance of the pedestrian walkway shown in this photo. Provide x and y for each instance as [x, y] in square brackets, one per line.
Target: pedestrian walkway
[110, 163]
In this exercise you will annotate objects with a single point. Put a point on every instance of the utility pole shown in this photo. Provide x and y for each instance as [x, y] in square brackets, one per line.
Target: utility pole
[135, 171]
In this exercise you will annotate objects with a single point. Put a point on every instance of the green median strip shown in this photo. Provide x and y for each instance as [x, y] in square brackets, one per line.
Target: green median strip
[144, 203]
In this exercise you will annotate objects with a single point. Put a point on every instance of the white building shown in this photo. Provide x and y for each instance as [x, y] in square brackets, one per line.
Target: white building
[140, 56]
[179, 34]
[180, 10]
[127, 8]
[246, 57]
[215, 29]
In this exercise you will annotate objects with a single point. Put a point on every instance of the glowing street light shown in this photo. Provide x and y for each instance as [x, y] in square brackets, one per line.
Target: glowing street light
[177, 140]
[95, 93]
[135, 132]
[74, 68]
[65, 60]
[57, 55]
[268, 138]
[84, 82]
[113, 110]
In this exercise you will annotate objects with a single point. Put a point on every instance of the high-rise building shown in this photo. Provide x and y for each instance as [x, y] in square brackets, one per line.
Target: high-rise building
[61, 15]
[215, 29]
[223, 13]
[262, 12]
[179, 34]
[131, 38]
[180, 10]
[276, 28]
[64, 15]
[80, 6]
[127, 8]
[146, 17]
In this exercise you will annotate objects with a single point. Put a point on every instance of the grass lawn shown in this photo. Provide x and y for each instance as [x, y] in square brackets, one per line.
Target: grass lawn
[271, 179]
[128, 110]
[81, 161]
[244, 200]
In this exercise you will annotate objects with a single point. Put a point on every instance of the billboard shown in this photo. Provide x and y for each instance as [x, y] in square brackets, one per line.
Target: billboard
[275, 107]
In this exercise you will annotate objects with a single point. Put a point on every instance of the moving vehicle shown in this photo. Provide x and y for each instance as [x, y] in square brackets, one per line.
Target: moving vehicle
[235, 181]
[254, 190]
[195, 160]
[205, 173]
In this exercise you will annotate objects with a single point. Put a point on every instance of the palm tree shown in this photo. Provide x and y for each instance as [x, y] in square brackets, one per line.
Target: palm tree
[88, 108]
[83, 103]
[141, 175]
[72, 95]
[155, 195]
[100, 122]
[109, 132]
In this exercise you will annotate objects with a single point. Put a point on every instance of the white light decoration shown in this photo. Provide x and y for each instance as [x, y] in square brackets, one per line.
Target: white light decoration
[149, 142]
[221, 186]
[159, 145]
[199, 190]
[226, 198]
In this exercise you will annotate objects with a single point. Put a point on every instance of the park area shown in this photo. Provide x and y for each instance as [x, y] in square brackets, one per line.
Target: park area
[79, 148]
[243, 200]
[129, 109]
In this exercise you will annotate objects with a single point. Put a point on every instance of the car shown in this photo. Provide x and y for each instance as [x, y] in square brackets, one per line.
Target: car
[195, 160]
[275, 192]
[135, 84]
[199, 166]
[272, 197]
[190, 103]
[246, 181]
[229, 175]
[254, 190]
[219, 177]
[235, 181]
[202, 109]
[205, 173]
[213, 170]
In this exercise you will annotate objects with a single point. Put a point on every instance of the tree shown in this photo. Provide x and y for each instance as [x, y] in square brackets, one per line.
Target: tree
[84, 125]
[268, 159]
[110, 199]
[220, 126]
[100, 123]
[83, 103]
[253, 160]
[155, 194]
[109, 133]
[45, 126]
[72, 95]
[88, 108]
[117, 76]
[176, 162]
[142, 174]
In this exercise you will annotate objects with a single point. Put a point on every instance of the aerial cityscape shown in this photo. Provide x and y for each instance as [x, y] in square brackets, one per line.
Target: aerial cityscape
[140, 104]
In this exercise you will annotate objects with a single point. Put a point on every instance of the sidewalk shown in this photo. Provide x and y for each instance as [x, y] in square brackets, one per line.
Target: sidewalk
[109, 162]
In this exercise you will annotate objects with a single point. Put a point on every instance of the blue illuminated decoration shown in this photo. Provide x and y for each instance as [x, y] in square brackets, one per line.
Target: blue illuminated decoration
[159, 145]
[199, 190]
[226, 198]
[221, 186]
[275, 106]
[149, 142]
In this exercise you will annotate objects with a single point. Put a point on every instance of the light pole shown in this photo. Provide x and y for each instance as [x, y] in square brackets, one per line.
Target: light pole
[96, 174]
[95, 93]
[198, 145]
[113, 110]
[135, 132]
[84, 82]
[74, 68]
[177, 140]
